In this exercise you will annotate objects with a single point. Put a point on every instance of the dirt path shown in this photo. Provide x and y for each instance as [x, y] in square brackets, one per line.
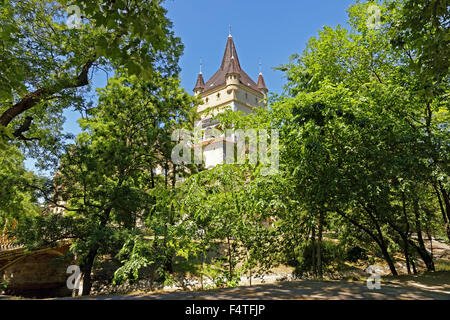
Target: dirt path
[433, 286]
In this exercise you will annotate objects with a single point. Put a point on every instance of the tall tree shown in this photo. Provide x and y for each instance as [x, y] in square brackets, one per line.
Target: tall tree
[46, 62]
[104, 180]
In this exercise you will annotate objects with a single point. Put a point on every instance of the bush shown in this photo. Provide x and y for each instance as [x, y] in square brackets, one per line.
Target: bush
[331, 258]
[356, 253]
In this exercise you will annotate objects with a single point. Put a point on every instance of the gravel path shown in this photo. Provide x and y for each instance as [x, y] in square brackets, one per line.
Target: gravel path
[306, 290]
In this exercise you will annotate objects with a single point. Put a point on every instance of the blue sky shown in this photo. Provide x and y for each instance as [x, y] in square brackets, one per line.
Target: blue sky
[266, 30]
[270, 30]
[261, 29]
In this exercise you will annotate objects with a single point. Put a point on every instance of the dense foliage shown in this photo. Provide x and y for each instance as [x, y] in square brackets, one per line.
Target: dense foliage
[364, 146]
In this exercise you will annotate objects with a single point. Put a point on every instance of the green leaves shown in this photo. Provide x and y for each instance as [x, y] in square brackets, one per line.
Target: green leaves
[17, 199]
[360, 119]
[46, 65]
[135, 255]
[422, 30]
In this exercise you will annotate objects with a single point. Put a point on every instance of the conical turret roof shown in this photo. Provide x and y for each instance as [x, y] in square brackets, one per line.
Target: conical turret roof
[200, 84]
[230, 64]
[261, 83]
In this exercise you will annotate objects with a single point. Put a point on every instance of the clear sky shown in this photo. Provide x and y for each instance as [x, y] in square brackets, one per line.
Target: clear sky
[261, 29]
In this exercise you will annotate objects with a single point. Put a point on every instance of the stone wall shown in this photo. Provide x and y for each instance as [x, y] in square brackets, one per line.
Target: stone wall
[37, 274]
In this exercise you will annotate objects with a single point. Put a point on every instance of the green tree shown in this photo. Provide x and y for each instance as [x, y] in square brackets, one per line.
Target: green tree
[46, 64]
[104, 180]
[364, 133]
[17, 197]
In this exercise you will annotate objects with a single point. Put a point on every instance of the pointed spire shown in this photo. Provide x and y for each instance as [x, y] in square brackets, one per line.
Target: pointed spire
[230, 64]
[230, 52]
[232, 67]
[261, 83]
[229, 31]
[200, 84]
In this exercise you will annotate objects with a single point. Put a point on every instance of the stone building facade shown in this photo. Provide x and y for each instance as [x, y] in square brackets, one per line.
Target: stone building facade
[229, 88]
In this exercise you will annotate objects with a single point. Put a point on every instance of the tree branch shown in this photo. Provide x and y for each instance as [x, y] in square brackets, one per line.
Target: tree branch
[33, 98]
[18, 133]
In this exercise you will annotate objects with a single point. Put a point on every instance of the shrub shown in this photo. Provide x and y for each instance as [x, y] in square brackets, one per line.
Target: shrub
[356, 253]
[331, 254]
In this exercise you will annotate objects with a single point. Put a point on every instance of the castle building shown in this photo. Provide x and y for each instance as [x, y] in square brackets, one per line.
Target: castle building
[229, 88]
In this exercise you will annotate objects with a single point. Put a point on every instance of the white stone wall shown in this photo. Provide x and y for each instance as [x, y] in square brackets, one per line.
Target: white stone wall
[213, 154]
[236, 97]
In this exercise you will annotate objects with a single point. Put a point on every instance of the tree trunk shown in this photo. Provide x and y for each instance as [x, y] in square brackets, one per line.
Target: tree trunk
[168, 266]
[88, 261]
[319, 246]
[230, 260]
[86, 269]
[166, 175]
[426, 257]
[446, 200]
[203, 267]
[313, 250]
[413, 266]
[388, 258]
[406, 253]
[380, 242]
[443, 211]
[152, 176]
[405, 238]
[174, 176]
[249, 268]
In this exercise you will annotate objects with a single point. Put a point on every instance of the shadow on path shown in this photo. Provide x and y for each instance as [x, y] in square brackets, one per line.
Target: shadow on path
[303, 290]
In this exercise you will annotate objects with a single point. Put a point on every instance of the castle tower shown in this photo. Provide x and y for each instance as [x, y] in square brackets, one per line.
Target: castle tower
[229, 88]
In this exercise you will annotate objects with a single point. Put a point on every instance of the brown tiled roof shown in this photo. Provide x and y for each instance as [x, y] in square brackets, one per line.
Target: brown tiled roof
[200, 84]
[261, 83]
[230, 62]
[232, 67]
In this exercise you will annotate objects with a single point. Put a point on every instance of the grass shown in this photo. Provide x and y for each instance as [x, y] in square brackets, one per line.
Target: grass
[442, 265]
